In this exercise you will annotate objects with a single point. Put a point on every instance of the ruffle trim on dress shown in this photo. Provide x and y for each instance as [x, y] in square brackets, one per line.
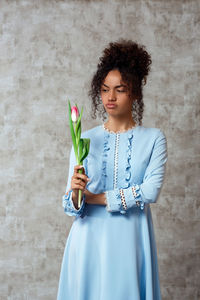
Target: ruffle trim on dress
[137, 195]
[106, 148]
[128, 165]
[69, 207]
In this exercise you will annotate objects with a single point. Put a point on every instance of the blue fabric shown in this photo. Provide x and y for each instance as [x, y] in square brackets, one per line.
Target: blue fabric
[110, 251]
[69, 207]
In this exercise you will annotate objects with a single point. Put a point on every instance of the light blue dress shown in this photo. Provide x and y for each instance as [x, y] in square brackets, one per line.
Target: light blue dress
[110, 253]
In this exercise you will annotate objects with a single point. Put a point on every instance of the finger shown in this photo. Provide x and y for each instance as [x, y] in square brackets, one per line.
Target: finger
[77, 187]
[77, 179]
[78, 167]
[81, 176]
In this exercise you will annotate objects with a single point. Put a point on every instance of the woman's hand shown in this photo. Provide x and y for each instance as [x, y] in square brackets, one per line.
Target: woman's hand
[78, 182]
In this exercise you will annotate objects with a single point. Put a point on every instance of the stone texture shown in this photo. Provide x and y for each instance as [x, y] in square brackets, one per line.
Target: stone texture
[48, 53]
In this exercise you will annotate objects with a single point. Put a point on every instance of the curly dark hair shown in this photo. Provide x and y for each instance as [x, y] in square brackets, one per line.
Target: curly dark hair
[133, 63]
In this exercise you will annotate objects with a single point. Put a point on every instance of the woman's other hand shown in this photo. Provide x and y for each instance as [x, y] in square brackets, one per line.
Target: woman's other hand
[92, 198]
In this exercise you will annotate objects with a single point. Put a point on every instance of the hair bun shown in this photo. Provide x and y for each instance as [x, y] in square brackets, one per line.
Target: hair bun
[128, 54]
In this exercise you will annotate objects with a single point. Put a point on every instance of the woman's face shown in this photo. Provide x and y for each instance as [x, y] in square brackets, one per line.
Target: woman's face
[115, 95]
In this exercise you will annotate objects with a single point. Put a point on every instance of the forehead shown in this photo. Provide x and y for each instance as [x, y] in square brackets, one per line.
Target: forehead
[113, 78]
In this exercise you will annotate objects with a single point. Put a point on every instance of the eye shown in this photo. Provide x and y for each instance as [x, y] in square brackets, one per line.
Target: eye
[104, 90]
[121, 91]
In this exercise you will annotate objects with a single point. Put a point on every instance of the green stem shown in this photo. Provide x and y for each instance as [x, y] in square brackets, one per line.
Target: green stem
[80, 172]
[80, 191]
[76, 147]
[79, 198]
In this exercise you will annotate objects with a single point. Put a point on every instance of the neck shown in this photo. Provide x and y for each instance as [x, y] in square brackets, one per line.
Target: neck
[115, 124]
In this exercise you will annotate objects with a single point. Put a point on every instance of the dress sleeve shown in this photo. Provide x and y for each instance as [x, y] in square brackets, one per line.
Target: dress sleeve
[121, 199]
[67, 202]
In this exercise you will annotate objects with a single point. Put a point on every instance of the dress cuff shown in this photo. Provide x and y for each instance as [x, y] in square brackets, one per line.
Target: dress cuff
[114, 203]
[123, 199]
[137, 196]
[69, 207]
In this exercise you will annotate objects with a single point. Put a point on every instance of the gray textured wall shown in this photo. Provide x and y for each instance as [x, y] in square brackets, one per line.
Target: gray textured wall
[48, 52]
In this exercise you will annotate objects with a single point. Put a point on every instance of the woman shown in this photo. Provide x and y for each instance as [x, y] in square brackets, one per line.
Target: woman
[110, 252]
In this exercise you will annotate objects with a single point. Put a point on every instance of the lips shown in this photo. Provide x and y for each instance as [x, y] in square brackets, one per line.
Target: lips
[111, 105]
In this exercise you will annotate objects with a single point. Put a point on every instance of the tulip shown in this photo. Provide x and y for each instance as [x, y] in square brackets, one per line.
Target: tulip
[81, 146]
[74, 114]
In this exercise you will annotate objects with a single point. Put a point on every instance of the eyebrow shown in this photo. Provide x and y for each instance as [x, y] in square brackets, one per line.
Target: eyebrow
[117, 86]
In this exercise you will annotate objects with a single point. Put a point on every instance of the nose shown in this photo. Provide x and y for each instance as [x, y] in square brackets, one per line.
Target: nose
[111, 95]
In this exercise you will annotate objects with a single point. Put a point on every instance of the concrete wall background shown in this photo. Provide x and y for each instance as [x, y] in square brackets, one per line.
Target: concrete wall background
[48, 52]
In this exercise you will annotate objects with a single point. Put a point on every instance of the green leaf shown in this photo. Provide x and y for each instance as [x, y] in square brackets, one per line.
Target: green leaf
[80, 145]
[86, 147]
[78, 127]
